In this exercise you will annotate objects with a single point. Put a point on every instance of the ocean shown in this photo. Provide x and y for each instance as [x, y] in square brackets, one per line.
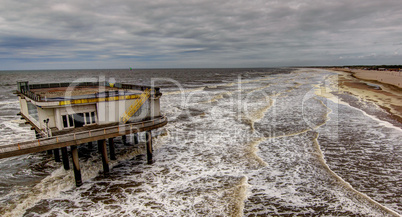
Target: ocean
[239, 142]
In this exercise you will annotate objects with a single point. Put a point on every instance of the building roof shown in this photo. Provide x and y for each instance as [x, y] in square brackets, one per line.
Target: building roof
[59, 94]
[79, 92]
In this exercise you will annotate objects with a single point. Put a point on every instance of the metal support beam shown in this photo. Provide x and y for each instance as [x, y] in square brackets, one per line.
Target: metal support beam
[105, 161]
[112, 149]
[64, 156]
[56, 153]
[149, 146]
[76, 165]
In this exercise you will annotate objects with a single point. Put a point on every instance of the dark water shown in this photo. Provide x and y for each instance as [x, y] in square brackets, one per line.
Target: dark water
[240, 142]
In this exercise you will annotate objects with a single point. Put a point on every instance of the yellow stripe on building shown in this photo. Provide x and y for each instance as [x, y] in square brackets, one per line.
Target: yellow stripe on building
[95, 100]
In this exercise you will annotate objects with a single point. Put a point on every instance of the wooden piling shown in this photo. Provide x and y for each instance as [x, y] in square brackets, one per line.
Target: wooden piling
[61, 141]
[105, 161]
[90, 145]
[56, 153]
[64, 156]
[76, 165]
[149, 146]
[112, 149]
[135, 138]
[124, 138]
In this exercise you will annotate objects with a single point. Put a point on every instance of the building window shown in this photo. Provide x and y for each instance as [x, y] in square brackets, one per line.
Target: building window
[65, 124]
[87, 118]
[33, 111]
[68, 121]
[78, 119]
[90, 118]
[93, 117]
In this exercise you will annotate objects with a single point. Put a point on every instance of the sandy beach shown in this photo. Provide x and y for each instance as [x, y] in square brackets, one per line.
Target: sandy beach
[386, 77]
[382, 87]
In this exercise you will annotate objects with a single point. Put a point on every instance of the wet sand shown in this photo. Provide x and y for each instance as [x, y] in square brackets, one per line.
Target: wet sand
[381, 87]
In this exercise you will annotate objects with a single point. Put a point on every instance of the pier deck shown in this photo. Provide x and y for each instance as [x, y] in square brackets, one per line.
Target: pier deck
[77, 138]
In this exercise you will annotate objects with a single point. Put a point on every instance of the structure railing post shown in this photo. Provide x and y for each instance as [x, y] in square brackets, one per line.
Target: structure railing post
[148, 138]
[64, 156]
[112, 149]
[105, 161]
[76, 165]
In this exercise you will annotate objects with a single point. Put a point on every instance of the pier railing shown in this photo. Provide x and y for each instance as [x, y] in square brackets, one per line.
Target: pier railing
[31, 95]
[79, 137]
[27, 91]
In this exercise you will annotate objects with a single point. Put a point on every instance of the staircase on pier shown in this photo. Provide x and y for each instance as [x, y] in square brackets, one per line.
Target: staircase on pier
[135, 106]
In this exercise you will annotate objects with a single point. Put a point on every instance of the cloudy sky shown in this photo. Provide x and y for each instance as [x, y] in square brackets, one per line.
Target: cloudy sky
[50, 34]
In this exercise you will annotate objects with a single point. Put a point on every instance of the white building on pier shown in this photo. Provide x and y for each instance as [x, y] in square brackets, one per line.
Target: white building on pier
[59, 108]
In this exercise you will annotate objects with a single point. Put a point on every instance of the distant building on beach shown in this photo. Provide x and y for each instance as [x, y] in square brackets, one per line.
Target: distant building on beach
[59, 108]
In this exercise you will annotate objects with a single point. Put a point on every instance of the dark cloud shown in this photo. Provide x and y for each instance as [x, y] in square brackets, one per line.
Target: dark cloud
[20, 42]
[179, 33]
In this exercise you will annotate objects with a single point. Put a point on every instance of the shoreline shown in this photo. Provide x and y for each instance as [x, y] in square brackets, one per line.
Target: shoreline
[351, 85]
[388, 78]
[380, 87]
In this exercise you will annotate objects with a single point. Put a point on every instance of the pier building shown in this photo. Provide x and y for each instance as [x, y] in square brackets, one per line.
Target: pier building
[70, 114]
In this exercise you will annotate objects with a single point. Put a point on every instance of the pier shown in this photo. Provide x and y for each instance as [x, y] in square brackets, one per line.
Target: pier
[72, 114]
[44, 144]
[74, 140]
